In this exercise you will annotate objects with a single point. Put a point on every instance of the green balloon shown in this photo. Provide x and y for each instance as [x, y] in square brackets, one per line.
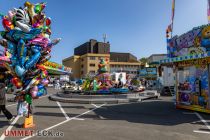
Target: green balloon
[37, 8]
[28, 98]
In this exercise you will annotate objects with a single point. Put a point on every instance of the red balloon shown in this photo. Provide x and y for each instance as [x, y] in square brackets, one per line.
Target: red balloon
[17, 82]
[48, 21]
[7, 24]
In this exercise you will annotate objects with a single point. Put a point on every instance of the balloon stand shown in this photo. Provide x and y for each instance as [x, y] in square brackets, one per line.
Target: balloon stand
[27, 46]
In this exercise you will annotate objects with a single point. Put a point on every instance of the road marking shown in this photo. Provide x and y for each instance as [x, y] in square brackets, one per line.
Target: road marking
[101, 117]
[203, 132]
[204, 121]
[78, 119]
[11, 104]
[10, 127]
[62, 110]
[63, 122]
[95, 105]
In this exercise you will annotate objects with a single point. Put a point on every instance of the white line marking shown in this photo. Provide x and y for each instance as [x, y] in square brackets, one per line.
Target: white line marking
[95, 105]
[203, 132]
[11, 104]
[101, 117]
[62, 110]
[63, 122]
[78, 119]
[204, 121]
[9, 128]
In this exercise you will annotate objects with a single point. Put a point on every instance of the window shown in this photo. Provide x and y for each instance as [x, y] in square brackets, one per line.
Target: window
[92, 58]
[81, 72]
[82, 66]
[92, 65]
[92, 73]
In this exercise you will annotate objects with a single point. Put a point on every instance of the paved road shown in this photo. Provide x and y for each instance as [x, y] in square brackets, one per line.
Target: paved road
[148, 120]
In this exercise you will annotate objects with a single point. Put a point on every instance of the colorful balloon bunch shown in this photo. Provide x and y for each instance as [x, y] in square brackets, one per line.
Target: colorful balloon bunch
[27, 44]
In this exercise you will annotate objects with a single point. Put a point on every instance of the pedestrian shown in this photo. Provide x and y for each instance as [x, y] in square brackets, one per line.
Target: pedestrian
[3, 108]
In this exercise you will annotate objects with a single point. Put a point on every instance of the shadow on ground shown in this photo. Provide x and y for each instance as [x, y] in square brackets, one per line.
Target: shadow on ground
[152, 112]
[3, 123]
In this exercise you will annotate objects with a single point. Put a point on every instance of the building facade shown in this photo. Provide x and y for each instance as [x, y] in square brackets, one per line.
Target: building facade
[92, 46]
[87, 56]
[124, 62]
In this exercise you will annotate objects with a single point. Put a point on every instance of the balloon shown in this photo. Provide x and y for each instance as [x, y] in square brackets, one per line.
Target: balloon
[11, 14]
[39, 7]
[20, 71]
[45, 58]
[23, 27]
[7, 24]
[16, 35]
[40, 86]
[16, 81]
[41, 92]
[3, 42]
[30, 8]
[45, 82]
[27, 43]
[21, 52]
[11, 47]
[48, 21]
[22, 16]
[32, 61]
[44, 74]
[41, 41]
[28, 98]
[34, 91]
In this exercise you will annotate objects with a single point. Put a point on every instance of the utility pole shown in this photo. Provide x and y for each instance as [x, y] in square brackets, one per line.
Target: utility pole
[104, 37]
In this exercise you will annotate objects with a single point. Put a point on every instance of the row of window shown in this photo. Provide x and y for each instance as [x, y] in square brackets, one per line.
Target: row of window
[93, 58]
[93, 72]
[90, 72]
[126, 66]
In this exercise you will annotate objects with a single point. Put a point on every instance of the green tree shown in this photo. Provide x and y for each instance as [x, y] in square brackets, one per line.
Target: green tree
[143, 60]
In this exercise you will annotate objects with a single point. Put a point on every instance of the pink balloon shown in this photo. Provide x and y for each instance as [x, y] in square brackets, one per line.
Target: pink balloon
[45, 82]
[34, 94]
[11, 14]
[39, 40]
[34, 91]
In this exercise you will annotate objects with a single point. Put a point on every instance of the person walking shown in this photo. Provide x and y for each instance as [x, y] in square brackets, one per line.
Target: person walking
[3, 108]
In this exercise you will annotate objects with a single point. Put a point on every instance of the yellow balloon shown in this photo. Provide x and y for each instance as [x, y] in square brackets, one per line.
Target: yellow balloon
[30, 7]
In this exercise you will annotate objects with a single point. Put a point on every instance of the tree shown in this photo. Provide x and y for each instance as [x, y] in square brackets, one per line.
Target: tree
[143, 60]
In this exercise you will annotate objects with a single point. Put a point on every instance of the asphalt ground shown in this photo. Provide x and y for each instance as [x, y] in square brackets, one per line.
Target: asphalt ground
[155, 119]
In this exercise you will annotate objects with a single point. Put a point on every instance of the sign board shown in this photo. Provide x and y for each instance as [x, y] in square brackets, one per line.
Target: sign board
[148, 72]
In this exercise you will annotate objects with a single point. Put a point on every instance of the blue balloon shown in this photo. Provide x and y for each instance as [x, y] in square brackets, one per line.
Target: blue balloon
[18, 34]
[32, 61]
[36, 49]
[11, 47]
[20, 71]
[40, 86]
[22, 50]
[14, 60]
[42, 91]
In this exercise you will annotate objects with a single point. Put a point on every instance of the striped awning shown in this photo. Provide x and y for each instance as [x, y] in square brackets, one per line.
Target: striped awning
[184, 58]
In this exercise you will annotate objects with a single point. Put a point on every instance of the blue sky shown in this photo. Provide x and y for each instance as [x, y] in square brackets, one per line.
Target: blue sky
[135, 26]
